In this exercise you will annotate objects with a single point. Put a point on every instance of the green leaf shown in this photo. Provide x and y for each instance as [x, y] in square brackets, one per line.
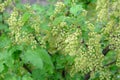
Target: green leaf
[16, 48]
[3, 27]
[20, 6]
[4, 41]
[33, 57]
[10, 62]
[25, 16]
[11, 76]
[38, 74]
[110, 57]
[58, 20]
[46, 59]
[98, 27]
[0, 18]
[67, 1]
[76, 9]
[27, 29]
[93, 1]
[26, 77]
[45, 56]
[85, 35]
[37, 8]
[6, 57]
[1, 67]
[113, 69]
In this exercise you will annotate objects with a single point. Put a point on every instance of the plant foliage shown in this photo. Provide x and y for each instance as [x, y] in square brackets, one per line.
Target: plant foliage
[71, 40]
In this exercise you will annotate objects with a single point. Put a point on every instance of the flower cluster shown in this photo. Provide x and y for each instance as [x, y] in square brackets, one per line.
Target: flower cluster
[72, 43]
[3, 5]
[114, 32]
[72, 35]
[18, 35]
[59, 34]
[104, 74]
[115, 42]
[102, 9]
[90, 57]
[59, 7]
[114, 9]
[12, 21]
[109, 27]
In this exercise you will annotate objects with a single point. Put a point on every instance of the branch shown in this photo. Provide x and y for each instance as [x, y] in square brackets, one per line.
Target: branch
[87, 76]
[110, 63]
[25, 66]
[105, 50]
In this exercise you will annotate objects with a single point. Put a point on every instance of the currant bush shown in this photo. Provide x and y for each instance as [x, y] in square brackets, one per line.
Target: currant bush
[63, 40]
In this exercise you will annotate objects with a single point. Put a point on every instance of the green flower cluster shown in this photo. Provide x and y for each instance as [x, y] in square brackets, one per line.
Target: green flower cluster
[4, 4]
[89, 58]
[102, 10]
[17, 25]
[89, 55]
[72, 33]
[59, 7]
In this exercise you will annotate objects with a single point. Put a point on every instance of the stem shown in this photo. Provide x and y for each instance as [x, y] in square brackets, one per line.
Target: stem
[105, 50]
[27, 68]
[110, 63]
[87, 76]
